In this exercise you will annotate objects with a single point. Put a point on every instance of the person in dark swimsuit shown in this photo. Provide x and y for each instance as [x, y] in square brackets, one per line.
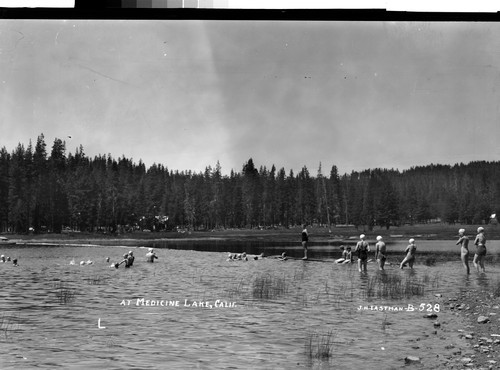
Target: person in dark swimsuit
[463, 240]
[131, 258]
[480, 243]
[362, 248]
[305, 239]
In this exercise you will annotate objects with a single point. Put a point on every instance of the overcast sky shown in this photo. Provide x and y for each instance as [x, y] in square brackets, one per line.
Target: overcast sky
[187, 94]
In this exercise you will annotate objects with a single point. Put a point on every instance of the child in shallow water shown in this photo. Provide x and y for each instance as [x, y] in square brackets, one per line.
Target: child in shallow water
[348, 255]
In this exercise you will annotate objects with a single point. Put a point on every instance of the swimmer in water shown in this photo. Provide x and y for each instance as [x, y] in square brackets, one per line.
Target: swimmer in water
[380, 253]
[283, 257]
[463, 240]
[305, 240]
[348, 255]
[2, 258]
[410, 251]
[480, 243]
[362, 248]
[151, 255]
[14, 262]
[341, 259]
[131, 258]
[125, 261]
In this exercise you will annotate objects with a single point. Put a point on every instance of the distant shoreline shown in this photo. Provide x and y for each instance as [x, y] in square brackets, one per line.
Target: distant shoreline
[291, 235]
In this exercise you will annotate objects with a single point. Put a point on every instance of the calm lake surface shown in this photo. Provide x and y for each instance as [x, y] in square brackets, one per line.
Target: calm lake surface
[264, 314]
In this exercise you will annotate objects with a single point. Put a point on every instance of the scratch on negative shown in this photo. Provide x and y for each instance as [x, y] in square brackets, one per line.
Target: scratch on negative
[101, 74]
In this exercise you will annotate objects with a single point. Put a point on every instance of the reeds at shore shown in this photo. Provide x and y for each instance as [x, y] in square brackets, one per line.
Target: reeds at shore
[269, 286]
[393, 286]
[8, 325]
[64, 293]
[319, 346]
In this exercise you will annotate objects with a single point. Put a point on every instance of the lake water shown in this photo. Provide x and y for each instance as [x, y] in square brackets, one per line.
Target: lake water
[261, 314]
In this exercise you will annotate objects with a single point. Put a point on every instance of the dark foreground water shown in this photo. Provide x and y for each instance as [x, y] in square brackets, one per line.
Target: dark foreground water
[193, 309]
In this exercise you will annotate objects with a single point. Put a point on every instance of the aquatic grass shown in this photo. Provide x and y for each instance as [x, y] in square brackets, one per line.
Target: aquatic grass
[111, 342]
[8, 325]
[385, 322]
[64, 293]
[496, 289]
[96, 280]
[393, 286]
[298, 274]
[319, 345]
[430, 261]
[236, 289]
[268, 286]
[433, 282]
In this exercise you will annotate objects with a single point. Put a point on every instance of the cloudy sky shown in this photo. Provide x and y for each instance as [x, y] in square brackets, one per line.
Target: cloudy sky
[187, 94]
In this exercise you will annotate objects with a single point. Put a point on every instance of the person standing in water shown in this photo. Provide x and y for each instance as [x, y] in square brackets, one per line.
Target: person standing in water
[362, 248]
[131, 258]
[480, 243]
[305, 239]
[151, 255]
[463, 240]
[380, 252]
[410, 254]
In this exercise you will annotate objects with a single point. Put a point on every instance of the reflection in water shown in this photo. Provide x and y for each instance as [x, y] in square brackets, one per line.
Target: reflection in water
[466, 281]
[482, 279]
[277, 305]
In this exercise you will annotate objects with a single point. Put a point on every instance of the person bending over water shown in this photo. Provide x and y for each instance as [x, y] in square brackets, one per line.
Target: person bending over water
[410, 254]
[151, 255]
[480, 243]
[380, 253]
[125, 261]
[131, 258]
[362, 248]
[463, 240]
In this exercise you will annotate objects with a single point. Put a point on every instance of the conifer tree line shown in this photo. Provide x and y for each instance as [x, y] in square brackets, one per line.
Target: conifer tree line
[55, 191]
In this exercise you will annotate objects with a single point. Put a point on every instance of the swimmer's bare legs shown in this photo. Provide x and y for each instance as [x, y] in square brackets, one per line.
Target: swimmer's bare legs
[465, 261]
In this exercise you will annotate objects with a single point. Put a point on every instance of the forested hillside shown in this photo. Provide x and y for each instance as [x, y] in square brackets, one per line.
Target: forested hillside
[57, 190]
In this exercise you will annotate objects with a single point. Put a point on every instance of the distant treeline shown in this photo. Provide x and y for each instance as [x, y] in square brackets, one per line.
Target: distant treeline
[58, 191]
